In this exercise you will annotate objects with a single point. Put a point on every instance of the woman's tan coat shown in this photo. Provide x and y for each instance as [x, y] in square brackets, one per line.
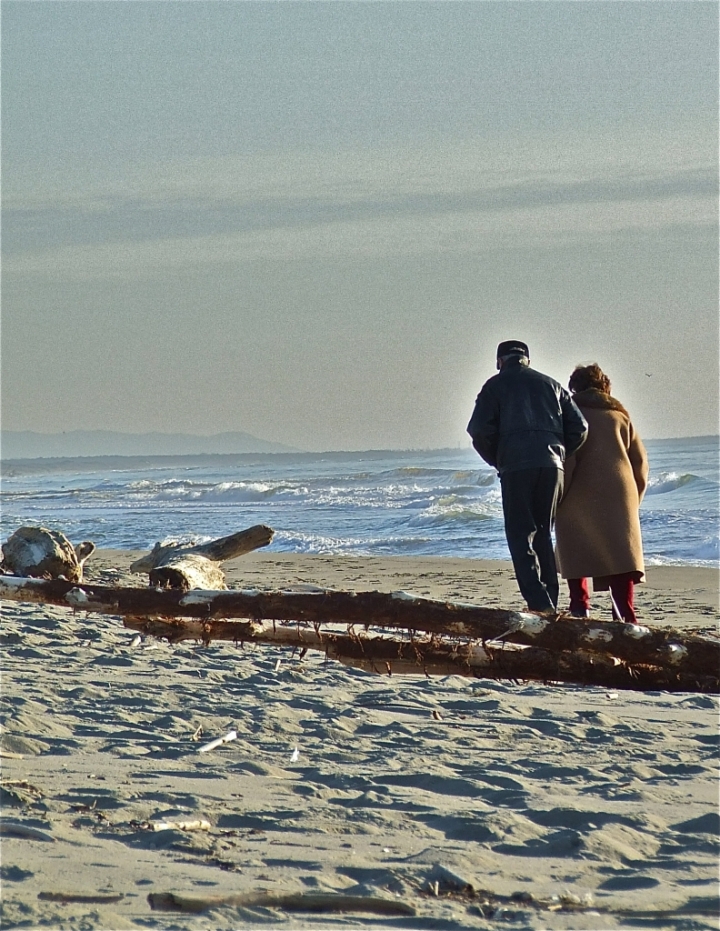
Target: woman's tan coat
[598, 522]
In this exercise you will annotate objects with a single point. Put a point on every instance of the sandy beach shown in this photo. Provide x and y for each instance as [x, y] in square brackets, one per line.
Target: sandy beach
[457, 802]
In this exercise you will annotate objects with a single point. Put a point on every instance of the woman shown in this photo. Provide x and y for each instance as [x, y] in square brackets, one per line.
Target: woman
[598, 521]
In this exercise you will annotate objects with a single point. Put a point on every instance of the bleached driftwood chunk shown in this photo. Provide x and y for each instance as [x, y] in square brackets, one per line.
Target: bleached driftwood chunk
[186, 571]
[187, 565]
[37, 552]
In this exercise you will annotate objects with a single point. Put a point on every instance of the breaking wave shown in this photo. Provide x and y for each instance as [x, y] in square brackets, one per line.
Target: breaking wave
[670, 481]
[441, 504]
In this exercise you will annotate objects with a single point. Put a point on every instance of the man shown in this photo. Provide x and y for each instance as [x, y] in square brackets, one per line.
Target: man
[525, 425]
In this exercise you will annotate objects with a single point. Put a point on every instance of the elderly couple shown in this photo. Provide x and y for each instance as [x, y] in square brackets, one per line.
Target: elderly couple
[568, 458]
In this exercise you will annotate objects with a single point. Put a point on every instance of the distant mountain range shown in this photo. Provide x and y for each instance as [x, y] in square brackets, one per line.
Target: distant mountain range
[24, 444]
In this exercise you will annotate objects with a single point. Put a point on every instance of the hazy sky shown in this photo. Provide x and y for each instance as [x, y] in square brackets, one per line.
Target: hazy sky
[314, 221]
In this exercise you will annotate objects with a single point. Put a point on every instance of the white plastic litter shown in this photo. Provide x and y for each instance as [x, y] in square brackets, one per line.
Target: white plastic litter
[218, 742]
[199, 825]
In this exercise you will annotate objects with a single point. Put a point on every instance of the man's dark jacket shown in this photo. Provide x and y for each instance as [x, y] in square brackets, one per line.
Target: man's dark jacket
[525, 420]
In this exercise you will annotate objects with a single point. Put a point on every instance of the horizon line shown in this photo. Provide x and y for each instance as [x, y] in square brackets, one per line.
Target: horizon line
[286, 453]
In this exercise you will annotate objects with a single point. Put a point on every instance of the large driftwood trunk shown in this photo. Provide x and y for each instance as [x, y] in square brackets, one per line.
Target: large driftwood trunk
[572, 649]
[399, 610]
[434, 655]
[186, 566]
[42, 553]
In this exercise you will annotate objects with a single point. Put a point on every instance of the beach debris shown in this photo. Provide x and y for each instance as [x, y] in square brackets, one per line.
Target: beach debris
[136, 641]
[676, 652]
[378, 632]
[416, 654]
[197, 734]
[218, 742]
[82, 898]
[496, 906]
[298, 902]
[445, 620]
[18, 792]
[585, 900]
[15, 829]
[295, 755]
[187, 566]
[199, 824]
[37, 552]
[443, 878]
[77, 598]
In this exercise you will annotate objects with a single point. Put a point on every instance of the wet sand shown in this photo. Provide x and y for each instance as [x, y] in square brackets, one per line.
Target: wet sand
[562, 807]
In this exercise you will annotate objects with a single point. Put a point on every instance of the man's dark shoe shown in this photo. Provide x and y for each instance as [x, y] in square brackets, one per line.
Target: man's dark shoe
[580, 613]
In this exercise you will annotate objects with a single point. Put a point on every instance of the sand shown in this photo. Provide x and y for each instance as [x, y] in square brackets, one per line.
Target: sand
[562, 807]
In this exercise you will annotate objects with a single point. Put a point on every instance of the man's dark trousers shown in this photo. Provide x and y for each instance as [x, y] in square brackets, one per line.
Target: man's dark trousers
[530, 498]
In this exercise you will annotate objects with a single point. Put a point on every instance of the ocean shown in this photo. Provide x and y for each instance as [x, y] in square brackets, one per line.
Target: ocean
[429, 503]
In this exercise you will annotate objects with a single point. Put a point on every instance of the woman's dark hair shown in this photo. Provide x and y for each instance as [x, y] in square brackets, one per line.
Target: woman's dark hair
[589, 376]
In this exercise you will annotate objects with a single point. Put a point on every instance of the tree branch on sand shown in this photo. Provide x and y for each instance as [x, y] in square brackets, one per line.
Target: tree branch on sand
[299, 901]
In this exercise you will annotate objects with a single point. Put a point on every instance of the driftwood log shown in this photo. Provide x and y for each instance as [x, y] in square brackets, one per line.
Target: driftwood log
[433, 636]
[185, 566]
[297, 902]
[42, 553]
[630, 643]
[436, 655]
